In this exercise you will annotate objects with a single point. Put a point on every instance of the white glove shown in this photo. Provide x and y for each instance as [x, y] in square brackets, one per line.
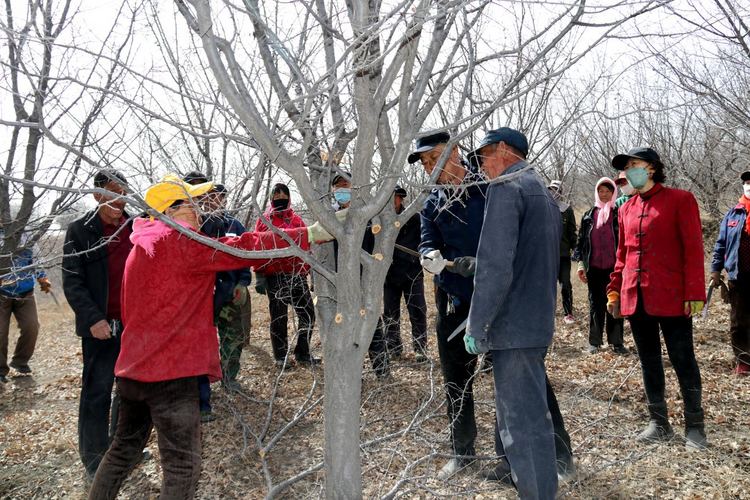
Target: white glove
[433, 262]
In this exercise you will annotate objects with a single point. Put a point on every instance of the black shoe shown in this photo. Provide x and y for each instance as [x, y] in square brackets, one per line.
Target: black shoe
[3, 379]
[620, 349]
[420, 357]
[500, 474]
[307, 360]
[20, 368]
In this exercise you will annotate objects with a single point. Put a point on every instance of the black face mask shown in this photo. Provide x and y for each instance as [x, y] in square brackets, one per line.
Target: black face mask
[280, 204]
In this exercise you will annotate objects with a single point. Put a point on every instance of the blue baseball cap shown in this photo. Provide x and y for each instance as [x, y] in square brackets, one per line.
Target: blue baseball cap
[508, 136]
[427, 143]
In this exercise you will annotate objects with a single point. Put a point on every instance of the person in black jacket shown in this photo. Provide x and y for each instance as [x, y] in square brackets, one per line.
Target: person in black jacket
[341, 188]
[567, 240]
[597, 246]
[405, 278]
[95, 250]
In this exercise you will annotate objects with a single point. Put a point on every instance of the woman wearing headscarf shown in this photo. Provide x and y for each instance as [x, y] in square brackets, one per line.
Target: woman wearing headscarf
[658, 283]
[732, 252]
[597, 245]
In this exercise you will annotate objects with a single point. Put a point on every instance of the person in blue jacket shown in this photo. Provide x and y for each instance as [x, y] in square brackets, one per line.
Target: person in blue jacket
[512, 311]
[451, 222]
[732, 252]
[17, 299]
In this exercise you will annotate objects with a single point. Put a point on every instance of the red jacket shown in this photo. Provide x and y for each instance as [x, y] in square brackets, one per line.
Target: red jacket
[661, 244]
[284, 219]
[167, 301]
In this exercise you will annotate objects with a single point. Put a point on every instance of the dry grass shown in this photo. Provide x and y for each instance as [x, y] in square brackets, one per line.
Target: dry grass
[601, 398]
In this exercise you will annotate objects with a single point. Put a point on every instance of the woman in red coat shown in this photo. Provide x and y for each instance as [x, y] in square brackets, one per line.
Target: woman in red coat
[284, 280]
[658, 283]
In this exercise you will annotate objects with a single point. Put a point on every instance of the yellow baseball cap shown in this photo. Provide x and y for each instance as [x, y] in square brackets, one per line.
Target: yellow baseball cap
[171, 188]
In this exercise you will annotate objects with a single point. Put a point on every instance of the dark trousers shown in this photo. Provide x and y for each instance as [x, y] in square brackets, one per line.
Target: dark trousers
[521, 389]
[204, 393]
[678, 337]
[285, 290]
[413, 292]
[567, 287]
[23, 307]
[458, 369]
[739, 319]
[563, 450]
[598, 315]
[378, 352]
[95, 426]
[170, 406]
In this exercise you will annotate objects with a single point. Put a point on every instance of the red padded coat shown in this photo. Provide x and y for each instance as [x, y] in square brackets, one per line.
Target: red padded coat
[660, 247]
[167, 301]
[283, 219]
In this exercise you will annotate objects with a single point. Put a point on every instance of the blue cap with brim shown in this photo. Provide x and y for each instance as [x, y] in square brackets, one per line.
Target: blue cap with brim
[508, 136]
[427, 143]
[646, 154]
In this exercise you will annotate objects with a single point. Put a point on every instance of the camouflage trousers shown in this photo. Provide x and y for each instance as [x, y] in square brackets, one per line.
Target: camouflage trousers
[233, 323]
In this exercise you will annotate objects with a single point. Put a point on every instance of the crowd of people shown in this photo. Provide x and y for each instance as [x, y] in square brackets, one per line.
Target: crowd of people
[163, 312]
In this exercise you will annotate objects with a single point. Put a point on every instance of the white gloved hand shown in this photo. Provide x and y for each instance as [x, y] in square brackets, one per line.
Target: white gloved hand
[433, 262]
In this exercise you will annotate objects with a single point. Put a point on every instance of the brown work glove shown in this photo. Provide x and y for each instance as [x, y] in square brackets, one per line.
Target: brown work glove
[716, 280]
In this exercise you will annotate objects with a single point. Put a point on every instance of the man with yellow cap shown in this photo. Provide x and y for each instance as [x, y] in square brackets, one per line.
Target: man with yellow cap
[170, 338]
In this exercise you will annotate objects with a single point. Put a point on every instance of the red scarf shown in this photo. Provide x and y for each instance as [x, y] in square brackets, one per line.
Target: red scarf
[746, 203]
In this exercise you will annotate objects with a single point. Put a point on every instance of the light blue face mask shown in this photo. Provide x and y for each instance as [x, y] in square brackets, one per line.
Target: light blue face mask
[343, 196]
[637, 177]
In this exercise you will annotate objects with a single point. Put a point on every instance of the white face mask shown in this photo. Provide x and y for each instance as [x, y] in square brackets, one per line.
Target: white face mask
[627, 189]
[746, 188]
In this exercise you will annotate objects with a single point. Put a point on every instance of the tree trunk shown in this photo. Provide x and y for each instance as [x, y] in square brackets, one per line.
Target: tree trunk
[343, 388]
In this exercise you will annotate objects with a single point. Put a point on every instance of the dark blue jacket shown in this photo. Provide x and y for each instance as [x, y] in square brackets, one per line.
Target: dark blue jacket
[218, 227]
[515, 286]
[726, 249]
[454, 229]
[406, 267]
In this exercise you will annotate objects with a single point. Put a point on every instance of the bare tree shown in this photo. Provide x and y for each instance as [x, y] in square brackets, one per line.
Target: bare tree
[38, 72]
[363, 82]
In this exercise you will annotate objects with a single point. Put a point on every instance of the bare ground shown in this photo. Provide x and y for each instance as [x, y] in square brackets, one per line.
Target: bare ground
[601, 397]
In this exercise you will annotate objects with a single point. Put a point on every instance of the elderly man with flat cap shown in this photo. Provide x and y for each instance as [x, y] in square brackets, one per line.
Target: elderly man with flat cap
[512, 312]
[451, 221]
